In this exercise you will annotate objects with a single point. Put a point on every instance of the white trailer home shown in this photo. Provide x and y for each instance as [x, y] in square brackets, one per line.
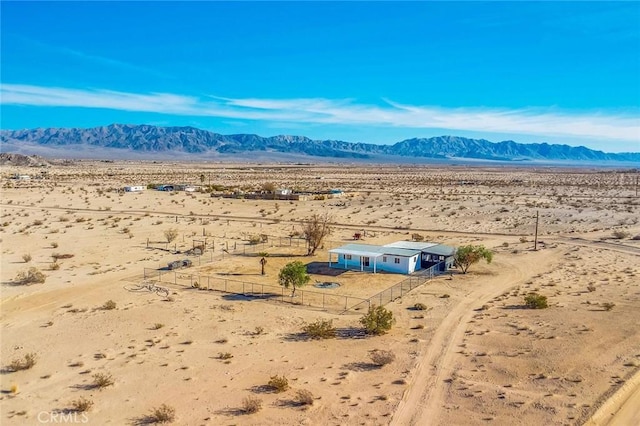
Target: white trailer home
[136, 188]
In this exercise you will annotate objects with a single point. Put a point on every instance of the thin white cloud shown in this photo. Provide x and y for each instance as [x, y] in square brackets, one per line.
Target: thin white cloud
[101, 60]
[538, 122]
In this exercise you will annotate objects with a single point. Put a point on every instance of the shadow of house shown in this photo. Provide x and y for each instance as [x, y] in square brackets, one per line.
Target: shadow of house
[321, 268]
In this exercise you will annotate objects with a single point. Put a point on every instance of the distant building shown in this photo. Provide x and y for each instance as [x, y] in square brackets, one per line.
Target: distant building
[283, 191]
[136, 188]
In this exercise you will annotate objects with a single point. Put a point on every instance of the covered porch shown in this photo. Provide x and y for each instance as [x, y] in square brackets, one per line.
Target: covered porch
[349, 258]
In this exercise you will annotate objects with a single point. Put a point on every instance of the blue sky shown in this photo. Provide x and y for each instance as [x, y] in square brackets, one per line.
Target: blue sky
[380, 72]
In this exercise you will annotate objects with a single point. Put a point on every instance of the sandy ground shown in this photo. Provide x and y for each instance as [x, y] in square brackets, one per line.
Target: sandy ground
[474, 357]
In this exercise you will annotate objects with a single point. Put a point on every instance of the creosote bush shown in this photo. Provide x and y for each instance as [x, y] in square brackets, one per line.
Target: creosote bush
[251, 404]
[304, 397]
[31, 276]
[108, 305]
[26, 257]
[81, 405]
[535, 301]
[420, 307]
[320, 329]
[102, 380]
[162, 414]
[378, 320]
[382, 357]
[278, 383]
[25, 363]
[620, 234]
[607, 306]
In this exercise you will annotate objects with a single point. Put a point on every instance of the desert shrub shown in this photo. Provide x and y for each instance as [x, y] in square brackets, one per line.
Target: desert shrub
[320, 329]
[25, 363]
[54, 266]
[157, 326]
[26, 257]
[591, 288]
[636, 237]
[31, 276]
[523, 239]
[171, 234]
[417, 237]
[377, 320]
[381, 357]
[81, 405]
[535, 301]
[607, 306]
[304, 397]
[620, 234]
[225, 355]
[58, 256]
[258, 331]
[420, 307]
[102, 380]
[255, 239]
[162, 414]
[251, 404]
[108, 305]
[54, 245]
[278, 383]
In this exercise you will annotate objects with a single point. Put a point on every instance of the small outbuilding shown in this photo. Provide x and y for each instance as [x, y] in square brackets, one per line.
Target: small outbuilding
[135, 188]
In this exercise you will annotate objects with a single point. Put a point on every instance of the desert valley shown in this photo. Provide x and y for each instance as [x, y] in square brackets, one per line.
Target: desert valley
[98, 343]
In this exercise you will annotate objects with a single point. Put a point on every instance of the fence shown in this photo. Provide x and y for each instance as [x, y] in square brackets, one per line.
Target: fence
[257, 291]
[307, 298]
[403, 287]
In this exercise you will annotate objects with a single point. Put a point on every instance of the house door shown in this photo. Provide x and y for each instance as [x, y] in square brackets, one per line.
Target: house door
[365, 261]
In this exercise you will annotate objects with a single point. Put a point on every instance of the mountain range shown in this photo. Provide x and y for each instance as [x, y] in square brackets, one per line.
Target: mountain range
[118, 139]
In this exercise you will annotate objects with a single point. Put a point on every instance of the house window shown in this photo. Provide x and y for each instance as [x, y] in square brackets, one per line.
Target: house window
[396, 260]
[347, 256]
[441, 257]
[384, 259]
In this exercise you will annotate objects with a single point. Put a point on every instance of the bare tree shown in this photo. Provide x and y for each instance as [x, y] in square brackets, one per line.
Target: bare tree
[171, 234]
[315, 230]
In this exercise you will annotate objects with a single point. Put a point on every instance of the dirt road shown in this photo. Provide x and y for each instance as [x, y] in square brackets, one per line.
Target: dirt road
[425, 395]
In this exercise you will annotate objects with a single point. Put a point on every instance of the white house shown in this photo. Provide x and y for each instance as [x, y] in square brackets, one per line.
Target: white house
[135, 188]
[402, 257]
[283, 191]
[366, 257]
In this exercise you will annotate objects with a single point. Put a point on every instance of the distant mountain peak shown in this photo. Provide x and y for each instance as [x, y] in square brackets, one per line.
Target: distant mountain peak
[145, 138]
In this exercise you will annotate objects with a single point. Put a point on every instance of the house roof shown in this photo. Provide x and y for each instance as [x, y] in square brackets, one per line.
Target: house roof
[441, 250]
[373, 251]
[411, 245]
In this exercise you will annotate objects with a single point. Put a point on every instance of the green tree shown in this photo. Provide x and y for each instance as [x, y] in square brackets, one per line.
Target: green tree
[294, 275]
[377, 320]
[468, 255]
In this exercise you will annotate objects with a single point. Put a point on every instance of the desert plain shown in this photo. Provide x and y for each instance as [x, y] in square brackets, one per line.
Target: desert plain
[474, 356]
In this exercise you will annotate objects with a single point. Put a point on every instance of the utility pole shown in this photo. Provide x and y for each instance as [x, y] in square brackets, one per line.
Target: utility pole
[535, 240]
